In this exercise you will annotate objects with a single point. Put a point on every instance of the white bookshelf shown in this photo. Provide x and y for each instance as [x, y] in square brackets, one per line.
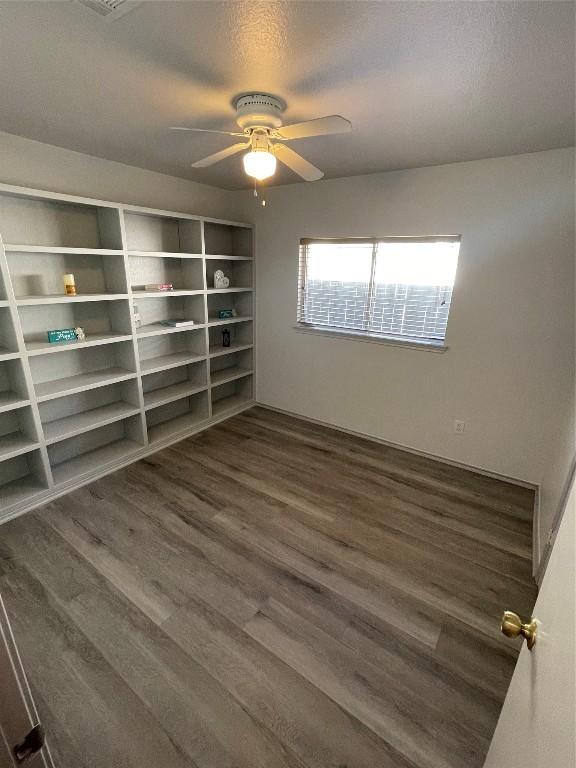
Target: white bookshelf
[74, 411]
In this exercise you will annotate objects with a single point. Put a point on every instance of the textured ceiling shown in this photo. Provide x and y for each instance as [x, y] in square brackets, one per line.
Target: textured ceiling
[423, 83]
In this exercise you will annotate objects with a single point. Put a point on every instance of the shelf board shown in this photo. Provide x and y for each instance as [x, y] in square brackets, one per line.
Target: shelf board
[81, 382]
[21, 490]
[235, 289]
[219, 351]
[229, 374]
[70, 426]
[230, 403]
[163, 294]
[227, 258]
[91, 340]
[226, 321]
[62, 249]
[164, 362]
[165, 254]
[10, 400]
[168, 429]
[14, 444]
[95, 460]
[174, 392]
[27, 301]
[4, 303]
[5, 354]
[157, 329]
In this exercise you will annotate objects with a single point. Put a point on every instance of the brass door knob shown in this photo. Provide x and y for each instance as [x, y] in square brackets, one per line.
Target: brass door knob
[512, 626]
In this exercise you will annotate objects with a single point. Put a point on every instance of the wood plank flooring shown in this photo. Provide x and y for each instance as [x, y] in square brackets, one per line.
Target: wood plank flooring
[271, 594]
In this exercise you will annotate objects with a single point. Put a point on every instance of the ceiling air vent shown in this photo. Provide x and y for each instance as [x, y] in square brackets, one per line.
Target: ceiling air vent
[110, 9]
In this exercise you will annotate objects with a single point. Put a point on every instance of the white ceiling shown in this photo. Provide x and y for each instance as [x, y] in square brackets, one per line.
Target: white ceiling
[423, 83]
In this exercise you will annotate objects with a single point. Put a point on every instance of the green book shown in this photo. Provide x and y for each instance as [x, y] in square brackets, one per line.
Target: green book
[65, 334]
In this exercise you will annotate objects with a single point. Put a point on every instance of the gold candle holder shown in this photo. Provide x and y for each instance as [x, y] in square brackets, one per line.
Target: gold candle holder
[69, 285]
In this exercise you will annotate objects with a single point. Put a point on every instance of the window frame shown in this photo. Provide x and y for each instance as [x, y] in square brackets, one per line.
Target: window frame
[412, 342]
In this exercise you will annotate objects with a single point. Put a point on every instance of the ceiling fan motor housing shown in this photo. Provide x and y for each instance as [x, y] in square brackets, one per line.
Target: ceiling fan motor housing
[259, 110]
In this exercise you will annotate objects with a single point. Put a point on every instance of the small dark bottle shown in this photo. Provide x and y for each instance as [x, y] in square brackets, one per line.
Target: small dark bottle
[225, 337]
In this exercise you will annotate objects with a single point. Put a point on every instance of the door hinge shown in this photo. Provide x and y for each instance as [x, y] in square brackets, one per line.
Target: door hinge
[30, 745]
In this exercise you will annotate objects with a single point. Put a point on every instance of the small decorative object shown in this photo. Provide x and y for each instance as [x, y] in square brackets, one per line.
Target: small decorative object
[159, 287]
[66, 334]
[176, 322]
[220, 279]
[69, 285]
[137, 318]
[225, 337]
[223, 314]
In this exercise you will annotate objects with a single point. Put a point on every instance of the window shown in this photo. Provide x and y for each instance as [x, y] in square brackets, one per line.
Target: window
[394, 288]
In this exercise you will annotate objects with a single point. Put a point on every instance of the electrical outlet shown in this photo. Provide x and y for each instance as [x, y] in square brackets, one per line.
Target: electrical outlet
[458, 427]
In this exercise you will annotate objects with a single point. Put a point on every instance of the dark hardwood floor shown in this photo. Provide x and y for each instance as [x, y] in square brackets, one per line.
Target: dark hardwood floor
[271, 594]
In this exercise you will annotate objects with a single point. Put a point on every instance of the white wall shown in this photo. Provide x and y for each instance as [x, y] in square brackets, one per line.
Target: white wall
[509, 370]
[42, 166]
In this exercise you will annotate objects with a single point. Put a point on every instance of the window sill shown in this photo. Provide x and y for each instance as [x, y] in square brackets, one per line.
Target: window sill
[429, 346]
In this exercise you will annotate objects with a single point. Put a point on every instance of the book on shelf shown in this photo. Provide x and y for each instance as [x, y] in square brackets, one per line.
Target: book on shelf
[157, 287]
[176, 323]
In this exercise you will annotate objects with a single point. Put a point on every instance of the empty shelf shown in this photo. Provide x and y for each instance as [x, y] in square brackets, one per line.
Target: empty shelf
[174, 392]
[227, 258]
[173, 360]
[229, 290]
[92, 340]
[175, 426]
[230, 403]
[5, 354]
[166, 254]
[61, 249]
[228, 320]
[26, 301]
[91, 462]
[228, 374]
[70, 426]
[157, 329]
[161, 294]
[15, 444]
[21, 490]
[219, 350]
[11, 400]
[82, 381]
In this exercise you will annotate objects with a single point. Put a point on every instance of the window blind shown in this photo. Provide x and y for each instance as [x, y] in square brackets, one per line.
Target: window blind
[390, 287]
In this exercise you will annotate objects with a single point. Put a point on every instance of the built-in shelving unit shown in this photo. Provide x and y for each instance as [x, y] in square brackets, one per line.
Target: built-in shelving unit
[73, 411]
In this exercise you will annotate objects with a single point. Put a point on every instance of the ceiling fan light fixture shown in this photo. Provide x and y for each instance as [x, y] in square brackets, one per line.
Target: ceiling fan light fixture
[260, 164]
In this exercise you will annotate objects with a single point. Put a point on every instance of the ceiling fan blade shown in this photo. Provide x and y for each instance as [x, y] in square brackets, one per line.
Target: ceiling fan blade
[217, 156]
[297, 163]
[319, 127]
[204, 130]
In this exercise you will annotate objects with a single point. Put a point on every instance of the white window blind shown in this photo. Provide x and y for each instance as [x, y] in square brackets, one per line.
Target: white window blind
[398, 288]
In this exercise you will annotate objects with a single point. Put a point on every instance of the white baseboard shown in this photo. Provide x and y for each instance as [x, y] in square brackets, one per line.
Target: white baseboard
[536, 560]
[536, 536]
[542, 562]
[408, 449]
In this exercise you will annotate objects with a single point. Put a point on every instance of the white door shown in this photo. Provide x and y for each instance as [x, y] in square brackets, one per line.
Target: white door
[17, 711]
[537, 725]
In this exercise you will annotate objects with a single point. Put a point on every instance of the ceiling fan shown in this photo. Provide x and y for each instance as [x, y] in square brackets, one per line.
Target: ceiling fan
[260, 118]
